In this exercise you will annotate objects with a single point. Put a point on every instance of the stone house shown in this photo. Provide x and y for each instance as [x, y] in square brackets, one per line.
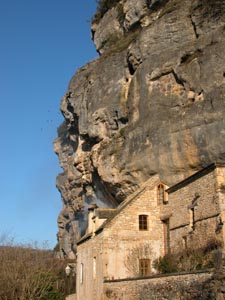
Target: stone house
[196, 209]
[124, 242]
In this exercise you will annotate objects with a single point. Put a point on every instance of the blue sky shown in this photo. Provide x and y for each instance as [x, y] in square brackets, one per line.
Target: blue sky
[42, 44]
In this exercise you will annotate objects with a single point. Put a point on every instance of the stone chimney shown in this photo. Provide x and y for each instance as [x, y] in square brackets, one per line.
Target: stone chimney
[91, 226]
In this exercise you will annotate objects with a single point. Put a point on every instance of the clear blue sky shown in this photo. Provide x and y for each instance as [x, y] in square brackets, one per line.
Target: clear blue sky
[43, 42]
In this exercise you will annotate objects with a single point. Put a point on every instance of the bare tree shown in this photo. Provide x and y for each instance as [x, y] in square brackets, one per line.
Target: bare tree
[30, 273]
[140, 253]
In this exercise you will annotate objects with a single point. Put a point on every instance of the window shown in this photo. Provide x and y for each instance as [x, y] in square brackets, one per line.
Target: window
[81, 273]
[161, 194]
[192, 219]
[191, 209]
[185, 242]
[166, 229]
[94, 268]
[144, 267]
[143, 222]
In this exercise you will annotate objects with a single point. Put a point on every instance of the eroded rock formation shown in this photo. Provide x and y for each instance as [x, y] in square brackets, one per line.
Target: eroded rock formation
[153, 102]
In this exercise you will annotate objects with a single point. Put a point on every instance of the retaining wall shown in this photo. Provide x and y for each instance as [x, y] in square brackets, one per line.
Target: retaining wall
[183, 286]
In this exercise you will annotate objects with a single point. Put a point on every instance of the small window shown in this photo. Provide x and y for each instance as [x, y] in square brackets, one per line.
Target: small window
[143, 222]
[94, 268]
[166, 229]
[81, 273]
[192, 219]
[185, 242]
[161, 194]
[144, 267]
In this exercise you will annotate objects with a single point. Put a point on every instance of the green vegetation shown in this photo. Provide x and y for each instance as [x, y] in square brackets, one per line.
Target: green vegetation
[166, 264]
[102, 8]
[121, 15]
[222, 187]
[166, 7]
[122, 131]
[188, 260]
[121, 44]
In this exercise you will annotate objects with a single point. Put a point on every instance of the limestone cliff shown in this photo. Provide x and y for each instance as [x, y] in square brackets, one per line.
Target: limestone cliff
[153, 102]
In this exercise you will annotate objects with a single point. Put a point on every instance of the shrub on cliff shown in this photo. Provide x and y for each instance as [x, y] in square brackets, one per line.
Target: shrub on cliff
[102, 8]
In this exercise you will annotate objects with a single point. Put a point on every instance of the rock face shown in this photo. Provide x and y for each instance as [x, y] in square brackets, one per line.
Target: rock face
[153, 102]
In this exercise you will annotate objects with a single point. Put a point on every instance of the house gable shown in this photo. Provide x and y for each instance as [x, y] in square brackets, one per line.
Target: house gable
[135, 224]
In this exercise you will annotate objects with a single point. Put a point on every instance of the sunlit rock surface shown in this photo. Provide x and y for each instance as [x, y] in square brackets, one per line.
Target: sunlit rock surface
[153, 102]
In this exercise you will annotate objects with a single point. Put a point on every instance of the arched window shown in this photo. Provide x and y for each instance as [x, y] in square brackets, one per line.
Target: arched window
[161, 194]
[143, 222]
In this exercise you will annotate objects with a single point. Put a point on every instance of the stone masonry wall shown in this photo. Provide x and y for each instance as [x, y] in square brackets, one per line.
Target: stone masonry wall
[175, 287]
[71, 297]
[201, 196]
[110, 247]
[220, 171]
[89, 283]
[205, 285]
[123, 234]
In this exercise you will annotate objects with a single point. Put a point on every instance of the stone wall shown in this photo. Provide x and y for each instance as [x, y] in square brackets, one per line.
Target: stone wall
[90, 268]
[71, 297]
[108, 249]
[174, 287]
[194, 211]
[204, 285]
[104, 252]
[122, 234]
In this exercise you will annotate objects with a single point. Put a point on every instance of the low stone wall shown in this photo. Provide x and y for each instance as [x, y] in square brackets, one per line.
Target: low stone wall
[71, 297]
[182, 286]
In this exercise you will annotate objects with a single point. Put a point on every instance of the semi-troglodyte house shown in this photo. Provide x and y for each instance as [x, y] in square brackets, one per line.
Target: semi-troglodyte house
[156, 220]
